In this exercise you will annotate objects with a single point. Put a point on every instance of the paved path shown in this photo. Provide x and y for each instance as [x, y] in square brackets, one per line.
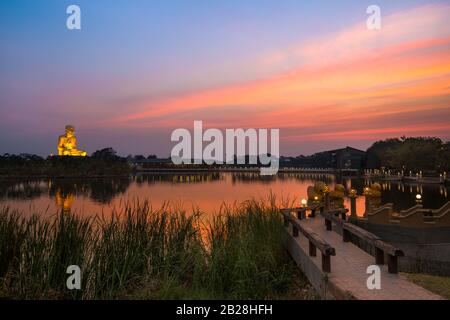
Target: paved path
[348, 269]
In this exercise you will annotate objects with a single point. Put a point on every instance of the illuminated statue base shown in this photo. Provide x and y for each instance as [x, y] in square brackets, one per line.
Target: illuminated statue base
[73, 153]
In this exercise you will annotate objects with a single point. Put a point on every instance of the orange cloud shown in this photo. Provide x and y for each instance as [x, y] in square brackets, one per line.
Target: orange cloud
[356, 77]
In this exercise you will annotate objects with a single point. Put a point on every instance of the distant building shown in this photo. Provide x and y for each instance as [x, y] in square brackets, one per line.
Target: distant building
[347, 158]
[144, 163]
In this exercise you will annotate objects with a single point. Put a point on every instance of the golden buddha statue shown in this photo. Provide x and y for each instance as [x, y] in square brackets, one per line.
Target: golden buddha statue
[67, 144]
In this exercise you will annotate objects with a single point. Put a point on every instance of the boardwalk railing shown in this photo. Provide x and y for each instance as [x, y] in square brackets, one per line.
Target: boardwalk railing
[382, 248]
[315, 241]
[301, 211]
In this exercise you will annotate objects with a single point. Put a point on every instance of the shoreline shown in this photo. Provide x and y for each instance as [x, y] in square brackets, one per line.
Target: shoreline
[405, 180]
[410, 180]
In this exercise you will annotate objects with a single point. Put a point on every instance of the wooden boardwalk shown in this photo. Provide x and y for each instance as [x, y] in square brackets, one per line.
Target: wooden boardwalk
[348, 277]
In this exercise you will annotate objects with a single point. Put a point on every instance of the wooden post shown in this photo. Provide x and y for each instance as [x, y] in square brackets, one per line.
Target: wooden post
[326, 263]
[345, 235]
[367, 202]
[300, 215]
[327, 201]
[313, 213]
[392, 264]
[328, 224]
[312, 249]
[379, 256]
[294, 231]
[286, 222]
[353, 207]
[343, 216]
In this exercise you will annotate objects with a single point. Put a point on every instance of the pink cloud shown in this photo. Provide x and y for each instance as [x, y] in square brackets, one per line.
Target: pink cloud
[347, 77]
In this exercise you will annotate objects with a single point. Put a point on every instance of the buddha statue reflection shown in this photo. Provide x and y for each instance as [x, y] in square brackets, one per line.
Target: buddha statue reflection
[67, 144]
[64, 200]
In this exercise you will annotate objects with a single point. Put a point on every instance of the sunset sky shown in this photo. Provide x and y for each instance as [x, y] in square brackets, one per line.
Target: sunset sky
[137, 70]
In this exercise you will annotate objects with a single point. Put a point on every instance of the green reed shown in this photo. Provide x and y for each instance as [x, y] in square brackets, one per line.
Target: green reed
[140, 252]
[247, 257]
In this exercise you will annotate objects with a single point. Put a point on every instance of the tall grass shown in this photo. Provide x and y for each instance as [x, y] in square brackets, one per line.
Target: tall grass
[247, 258]
[140, 252]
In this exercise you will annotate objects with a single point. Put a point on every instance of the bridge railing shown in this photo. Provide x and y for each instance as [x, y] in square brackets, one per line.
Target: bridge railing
[382, 248]
[315, 241]
[302, 211]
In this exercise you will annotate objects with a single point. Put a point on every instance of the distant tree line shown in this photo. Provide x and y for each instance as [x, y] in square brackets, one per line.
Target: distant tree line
[316, 160]
[431, 154]
[414, 153]
[100, 163]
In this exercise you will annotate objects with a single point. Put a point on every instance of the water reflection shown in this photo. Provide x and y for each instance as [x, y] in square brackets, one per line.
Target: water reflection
[64, 200]
[404, 196]
[176, 178]
[251, 177]
[207, 191]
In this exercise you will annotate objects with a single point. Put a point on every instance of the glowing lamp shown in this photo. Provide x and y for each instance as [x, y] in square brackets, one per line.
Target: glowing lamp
[304, 202]
[418, 196]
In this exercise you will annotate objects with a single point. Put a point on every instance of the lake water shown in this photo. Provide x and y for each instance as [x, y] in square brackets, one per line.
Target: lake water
[205, 191]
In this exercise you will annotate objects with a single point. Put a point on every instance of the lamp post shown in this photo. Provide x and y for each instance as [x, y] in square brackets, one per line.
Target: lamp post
[418, 198]
[366, 200]
[304, 202]
[326, 193]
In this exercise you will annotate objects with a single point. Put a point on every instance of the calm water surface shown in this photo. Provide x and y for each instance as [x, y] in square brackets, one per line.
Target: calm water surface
[206, 191]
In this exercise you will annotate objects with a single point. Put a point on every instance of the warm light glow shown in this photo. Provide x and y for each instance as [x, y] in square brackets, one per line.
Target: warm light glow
[67, 144]
[304, 202]
[418, 196]
[353, 193]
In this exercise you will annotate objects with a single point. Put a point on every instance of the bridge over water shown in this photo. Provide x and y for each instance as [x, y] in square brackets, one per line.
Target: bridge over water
[322, 245]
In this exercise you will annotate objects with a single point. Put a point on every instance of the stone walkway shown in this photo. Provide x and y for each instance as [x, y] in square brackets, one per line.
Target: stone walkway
[348, 269]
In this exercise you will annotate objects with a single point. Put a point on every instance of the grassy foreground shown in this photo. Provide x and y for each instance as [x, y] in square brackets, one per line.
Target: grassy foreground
[436, 284]
[142, 253]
